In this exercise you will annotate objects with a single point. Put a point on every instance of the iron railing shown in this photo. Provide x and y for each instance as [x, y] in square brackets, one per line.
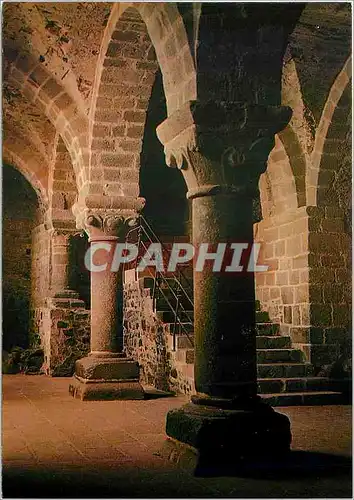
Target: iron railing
[162, 288]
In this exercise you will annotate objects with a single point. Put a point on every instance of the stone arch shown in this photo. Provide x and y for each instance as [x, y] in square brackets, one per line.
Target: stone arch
[298, 164]
[266, 197]
[333, 99]
[123, 83]
[277, 185]
[28, 76]
[334, 170]
[297, 137]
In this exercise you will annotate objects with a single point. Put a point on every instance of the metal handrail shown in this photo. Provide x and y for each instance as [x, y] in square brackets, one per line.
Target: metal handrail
[164, 247]
[160, 278]
[157, 277]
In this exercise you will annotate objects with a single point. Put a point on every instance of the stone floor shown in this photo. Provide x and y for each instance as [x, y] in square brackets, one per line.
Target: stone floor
[58, 447]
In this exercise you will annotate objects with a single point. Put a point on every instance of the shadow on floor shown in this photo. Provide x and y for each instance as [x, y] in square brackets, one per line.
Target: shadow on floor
[151, 392]
[128, 481]
[294, 465]
[104, 483]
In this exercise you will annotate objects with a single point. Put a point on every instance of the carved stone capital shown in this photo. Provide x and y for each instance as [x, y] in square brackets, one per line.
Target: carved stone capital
[61, 220]
[108, 224]
[221, 147]
[60, 237]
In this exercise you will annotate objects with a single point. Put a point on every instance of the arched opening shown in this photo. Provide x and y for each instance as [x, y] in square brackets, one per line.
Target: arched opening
[20, 215]
[164, 189]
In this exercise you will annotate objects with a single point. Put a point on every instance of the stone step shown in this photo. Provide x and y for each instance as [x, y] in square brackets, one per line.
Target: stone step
[185, 356]
[168, 285]
[181, 329]
[262, 317]
[284, 370]
[168, 316]
[184, 341]
[273, 342]
[269, 342]
[314, 398]
[186, 369]
[171, 286]
[279, 356]
[166, 303]
[267, 328]
[146, 282]
[305, 384]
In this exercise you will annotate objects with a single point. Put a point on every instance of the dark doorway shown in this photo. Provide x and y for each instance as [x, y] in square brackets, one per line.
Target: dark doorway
[19, 215]
[164, 189]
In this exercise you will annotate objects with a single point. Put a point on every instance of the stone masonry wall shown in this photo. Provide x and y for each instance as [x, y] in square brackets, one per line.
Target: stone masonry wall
[16, 281]
[20, 206]
[65, 331]
[60, 326]
[307, 287]
[283, 290]
[40, 276]
[144, 336]
[40, 282]
[330, 280]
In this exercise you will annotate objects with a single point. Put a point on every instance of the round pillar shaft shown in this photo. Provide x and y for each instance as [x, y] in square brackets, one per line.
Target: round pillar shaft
[60, 263]
[106, 304]
[107, 373]
[224, 302]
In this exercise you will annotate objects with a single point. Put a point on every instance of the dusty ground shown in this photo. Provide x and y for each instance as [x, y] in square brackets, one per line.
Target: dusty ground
[55, 446]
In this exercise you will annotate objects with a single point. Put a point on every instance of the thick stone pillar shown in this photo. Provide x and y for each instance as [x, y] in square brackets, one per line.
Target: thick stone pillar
[224, 320]
[62, 321]
[106, 373]
[60, 265]
[221, 150]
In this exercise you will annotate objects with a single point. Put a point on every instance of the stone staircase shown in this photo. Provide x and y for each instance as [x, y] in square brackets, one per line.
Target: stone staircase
[284, 377]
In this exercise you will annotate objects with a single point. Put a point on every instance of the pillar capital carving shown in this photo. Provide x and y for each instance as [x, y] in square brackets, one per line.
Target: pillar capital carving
[221, 147]
[63, 233]
[107, 224]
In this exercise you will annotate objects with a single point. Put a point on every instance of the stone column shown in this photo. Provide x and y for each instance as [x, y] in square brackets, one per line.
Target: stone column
[60, 265]
[106, 373]
[61, 335]
[221, 150]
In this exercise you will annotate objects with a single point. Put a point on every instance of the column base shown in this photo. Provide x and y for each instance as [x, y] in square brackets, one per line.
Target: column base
[228, 431]
[105, 378]
[65, 294]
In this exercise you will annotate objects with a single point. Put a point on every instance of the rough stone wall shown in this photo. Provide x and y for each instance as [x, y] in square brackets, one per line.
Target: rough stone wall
[65, 330]
[16, 281]
[63, 190]
[146, 339]
[307, 289]
[144, 336]
[19, 214]
[40, 282]
[329, 285]
[40, 277]
[60, 326]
